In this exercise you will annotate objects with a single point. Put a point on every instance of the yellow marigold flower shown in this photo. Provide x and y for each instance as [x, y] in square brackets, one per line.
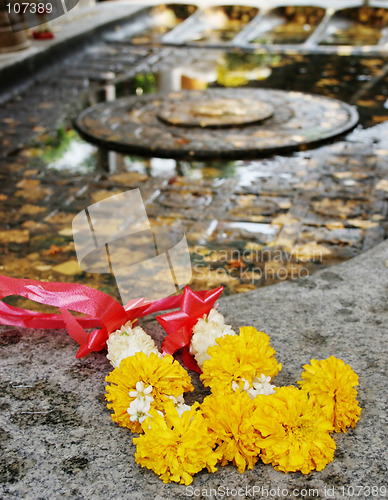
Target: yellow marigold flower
[237, 357]
[333, 383]
[229, 417]
[165, 375]
[176, 447]
[293, 432]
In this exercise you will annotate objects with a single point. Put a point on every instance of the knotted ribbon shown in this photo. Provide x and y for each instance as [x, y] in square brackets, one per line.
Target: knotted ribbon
[102, 312]
[179, 324]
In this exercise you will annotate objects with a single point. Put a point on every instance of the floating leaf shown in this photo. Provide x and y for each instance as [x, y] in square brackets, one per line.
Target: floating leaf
[129, 178]
[311, 251]
[335, 225]
[382, 185]
[69, 268]
[29, 209]
[67, 231]
[363, 224]
[15, 236]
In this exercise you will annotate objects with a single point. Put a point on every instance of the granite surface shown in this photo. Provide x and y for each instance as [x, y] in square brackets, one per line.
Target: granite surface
[74, 29]
[58, 441]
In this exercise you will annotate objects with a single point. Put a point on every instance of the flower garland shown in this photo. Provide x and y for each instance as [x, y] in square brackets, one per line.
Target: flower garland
[244, 419]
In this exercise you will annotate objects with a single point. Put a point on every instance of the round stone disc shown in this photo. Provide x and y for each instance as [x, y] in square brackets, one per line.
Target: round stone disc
[132, 125]
[217, 112]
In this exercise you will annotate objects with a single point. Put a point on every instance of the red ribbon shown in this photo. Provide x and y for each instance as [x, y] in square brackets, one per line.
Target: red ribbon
[102, 311]
[179, 324]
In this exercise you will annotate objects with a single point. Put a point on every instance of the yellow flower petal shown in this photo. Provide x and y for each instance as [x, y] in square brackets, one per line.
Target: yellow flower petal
[292, 432]
[332, 383]
[176, 447]
[228, 416]
[237, 357]
[165, 375]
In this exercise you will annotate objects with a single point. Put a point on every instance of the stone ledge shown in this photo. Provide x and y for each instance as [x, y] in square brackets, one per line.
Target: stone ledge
[72, 31]
[58, 440]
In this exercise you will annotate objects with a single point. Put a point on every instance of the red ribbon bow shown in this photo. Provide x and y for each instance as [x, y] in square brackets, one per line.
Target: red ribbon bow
[102, 311]
[179, 324]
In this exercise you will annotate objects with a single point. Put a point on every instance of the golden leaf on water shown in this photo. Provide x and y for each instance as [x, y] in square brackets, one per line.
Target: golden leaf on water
[210, 172]
[307, 186]
[43, 267]
[102, 194]
[284, 205]
[30, 190]
[29, 209]
[311, 251]
[67, 231]
[33, 256]
[285, 243]
[251, 245]
[363, 224]
[210, 278]
[379, 118]
[31, 224]
[246, 200]
[381, 152]
[15, 236]
[69, 268]
[327, 81]
[31, 172]
[334, 225]
[28, 183]
[382, 185]
[367, 103]
[39, 129]
[46, 105]
[129, 177]
[60, 218]
[336, 207]
[284, 219]
[200, 250]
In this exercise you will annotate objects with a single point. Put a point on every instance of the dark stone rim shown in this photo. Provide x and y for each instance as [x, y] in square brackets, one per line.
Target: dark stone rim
[201, 154]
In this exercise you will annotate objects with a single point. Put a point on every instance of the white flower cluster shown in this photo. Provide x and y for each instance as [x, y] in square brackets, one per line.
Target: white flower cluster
[128, 341]
[141, 405]
[260, 385]
[205, 332]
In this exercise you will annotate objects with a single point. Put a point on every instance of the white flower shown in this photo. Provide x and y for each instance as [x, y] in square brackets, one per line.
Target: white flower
[140, 406]
[180, 404]
[138, 410]
[260, 385]
[236, 386]
[128, 341]
[205, 332]
[142, 392]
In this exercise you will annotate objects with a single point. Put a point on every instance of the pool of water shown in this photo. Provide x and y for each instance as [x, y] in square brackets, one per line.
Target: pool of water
[248, 223]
